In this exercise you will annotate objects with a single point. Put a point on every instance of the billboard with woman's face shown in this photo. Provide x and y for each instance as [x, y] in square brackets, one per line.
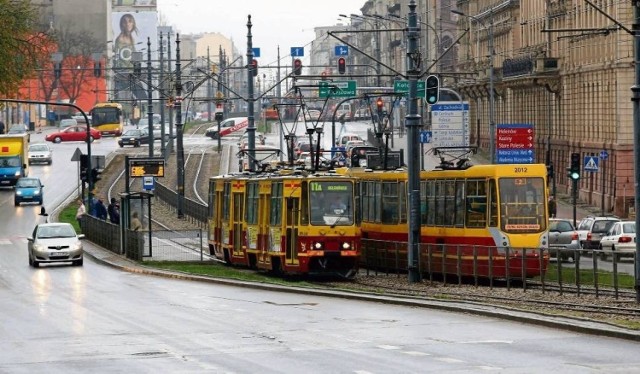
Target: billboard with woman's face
[130, 33]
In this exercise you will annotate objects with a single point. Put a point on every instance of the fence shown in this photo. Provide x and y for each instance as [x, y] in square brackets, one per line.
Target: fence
[194, 211]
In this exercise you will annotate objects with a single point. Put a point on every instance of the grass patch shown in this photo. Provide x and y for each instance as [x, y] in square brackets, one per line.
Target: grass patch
[68, 215]
[222, 271]
[588, 277]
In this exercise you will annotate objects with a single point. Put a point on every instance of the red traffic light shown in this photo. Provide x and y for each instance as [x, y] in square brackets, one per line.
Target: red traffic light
[342, 65]
[297, 66]
[380, 103]
[254, 67]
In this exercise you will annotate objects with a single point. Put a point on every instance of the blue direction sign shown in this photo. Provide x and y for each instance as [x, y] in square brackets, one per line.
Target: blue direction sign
[516, 156]
[604, 154]
[256, 52]
[297, 51]
[425, 136]
[591, 163]
[341, 50]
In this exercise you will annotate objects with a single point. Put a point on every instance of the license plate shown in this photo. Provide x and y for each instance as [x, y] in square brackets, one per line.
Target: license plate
[59, 254]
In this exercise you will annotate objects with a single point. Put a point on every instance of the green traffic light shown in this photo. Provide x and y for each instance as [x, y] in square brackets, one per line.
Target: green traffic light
[574, 175]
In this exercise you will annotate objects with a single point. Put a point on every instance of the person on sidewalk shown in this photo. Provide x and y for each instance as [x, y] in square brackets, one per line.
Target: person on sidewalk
[80, 213]
[552, 207]
[114, 212]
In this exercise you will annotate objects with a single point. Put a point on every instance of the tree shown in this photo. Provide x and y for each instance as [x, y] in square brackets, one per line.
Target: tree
[21, 44]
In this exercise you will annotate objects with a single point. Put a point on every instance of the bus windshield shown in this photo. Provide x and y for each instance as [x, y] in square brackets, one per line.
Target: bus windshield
[331, 203]
[102, 116]
[522, 205]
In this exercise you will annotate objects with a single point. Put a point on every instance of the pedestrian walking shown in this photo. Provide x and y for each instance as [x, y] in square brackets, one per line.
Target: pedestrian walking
[80, 213]
[101, 210]
[114, 212]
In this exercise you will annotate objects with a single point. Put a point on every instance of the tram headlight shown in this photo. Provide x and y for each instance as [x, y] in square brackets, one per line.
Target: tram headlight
[317, 246]
[346, 245]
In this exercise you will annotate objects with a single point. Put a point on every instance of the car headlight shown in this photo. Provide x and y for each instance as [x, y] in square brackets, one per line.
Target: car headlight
[346, 245]
[317, 245]
[38, 247]
[36, 192]
[18, 192]
[17, 173]
[77, 246]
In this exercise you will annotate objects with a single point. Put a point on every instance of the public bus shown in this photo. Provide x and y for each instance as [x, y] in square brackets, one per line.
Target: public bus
[285, 221]
[485, 220]
[107, 118]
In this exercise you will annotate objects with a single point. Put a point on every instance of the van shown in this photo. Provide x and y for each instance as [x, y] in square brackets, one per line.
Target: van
[344, 138]
[345, 108]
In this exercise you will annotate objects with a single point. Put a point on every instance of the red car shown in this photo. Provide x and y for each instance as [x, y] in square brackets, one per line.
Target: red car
[73, 134]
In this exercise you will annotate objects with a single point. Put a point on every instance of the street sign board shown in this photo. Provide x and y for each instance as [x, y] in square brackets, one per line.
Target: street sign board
[297, 51]
[256, 52]
[341, 50]
[450, 124]
[146, 167]
[604, 154]
[591, 163]
[425, 136]
[148, 183]
[515, 143]
[402, 86]
[337, 89]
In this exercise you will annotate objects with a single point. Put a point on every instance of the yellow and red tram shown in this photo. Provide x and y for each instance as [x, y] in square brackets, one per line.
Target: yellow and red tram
[485, 221]
[293, 222]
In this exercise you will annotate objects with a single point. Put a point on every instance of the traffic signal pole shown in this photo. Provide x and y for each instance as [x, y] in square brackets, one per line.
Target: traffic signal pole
[635, 90]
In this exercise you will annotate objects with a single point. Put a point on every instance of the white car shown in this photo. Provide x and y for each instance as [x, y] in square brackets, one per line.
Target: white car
[55, 243]
[620, 240]
[40, 153]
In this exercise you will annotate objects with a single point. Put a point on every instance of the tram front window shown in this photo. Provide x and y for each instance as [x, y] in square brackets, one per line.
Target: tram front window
[331, 203]
[522, 205]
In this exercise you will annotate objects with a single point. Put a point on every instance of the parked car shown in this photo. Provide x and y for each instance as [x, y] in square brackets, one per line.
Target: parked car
[309, 115]
[40, 153]
[598, 229]
[585, 226]
[19, 129]
[68, 122]
[620, 240]
[344, 138]
[28, 189]
[157, 131]
[134, 137]
[301, 147]
[73, 134]
[54, 243]
[358, 155]
[260, 139]
[563, 239]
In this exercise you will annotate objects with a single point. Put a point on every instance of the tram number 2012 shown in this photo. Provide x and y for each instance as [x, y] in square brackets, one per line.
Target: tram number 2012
[520, 170]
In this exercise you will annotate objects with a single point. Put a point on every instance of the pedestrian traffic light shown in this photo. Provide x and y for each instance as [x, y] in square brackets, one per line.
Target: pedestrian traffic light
[342, 65]
[574, 169]
[254, 67]
[432, 89]
[97, 69]
[95, 175]
[297, 66]
[83, 174]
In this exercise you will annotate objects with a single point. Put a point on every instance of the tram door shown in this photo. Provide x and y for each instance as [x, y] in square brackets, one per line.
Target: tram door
[293, 212]
[238, 224]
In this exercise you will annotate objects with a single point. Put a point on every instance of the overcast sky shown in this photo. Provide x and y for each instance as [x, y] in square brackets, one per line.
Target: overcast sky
[287, 23]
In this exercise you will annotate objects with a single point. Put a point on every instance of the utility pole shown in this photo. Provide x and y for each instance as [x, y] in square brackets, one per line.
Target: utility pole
[635, 89]
[412, 122]
[149, 98]
[179, 132]
[209, 88]
[251, 128]
[162, 100]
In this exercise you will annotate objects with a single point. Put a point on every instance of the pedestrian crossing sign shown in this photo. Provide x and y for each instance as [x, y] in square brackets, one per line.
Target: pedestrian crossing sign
[591, 163]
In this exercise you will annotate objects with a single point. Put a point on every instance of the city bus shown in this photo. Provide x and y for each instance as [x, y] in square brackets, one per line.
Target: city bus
[486, 220]
[107, 118]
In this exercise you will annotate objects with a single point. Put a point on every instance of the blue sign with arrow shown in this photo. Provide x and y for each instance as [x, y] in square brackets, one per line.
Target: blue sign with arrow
[297, 51]
[425, 137]
[256, 52]
[341, 50]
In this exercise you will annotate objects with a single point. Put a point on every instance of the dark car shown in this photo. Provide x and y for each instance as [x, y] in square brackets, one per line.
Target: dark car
[19, 129]
[598, 230]
[28, 190]
[358, 155]
[134, 137]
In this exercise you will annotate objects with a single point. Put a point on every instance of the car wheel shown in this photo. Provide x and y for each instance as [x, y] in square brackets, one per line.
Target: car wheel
[16, 202]
[50, 162]
[36, 263]
[40, 202]
[78, 262]
[136, 144]
[30, 261]
[57, 139]
[121, 145]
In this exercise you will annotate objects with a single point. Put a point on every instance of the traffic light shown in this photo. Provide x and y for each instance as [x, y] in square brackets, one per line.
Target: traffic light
[574, 169]
[57, 69]
[254, 67]
[380, 106]
[95, 175]
[97, 69]
[433, 89]
[83, 174]
[550, 173]
[137, 69]
[323, 76]
[297, 66]
[342, 65]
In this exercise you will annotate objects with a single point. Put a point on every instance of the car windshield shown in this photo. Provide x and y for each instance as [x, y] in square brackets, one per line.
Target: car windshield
[6, 162]
[19, 129]
[602, 226]
[38, 148]
[31, 182]
[58, 231]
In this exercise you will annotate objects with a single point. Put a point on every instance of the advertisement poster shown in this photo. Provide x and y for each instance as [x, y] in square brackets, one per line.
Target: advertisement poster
[117, 3]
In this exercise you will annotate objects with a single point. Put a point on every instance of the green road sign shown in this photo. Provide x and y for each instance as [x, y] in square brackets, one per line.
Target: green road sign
[337, 89]
[403, 87]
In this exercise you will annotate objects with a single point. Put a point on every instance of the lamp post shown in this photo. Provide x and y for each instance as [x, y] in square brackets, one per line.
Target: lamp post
[492, 124]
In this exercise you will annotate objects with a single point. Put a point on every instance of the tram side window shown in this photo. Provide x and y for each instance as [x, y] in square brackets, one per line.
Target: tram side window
[377, 202]
[431, 203]
[439, 203]
[364, 195]
[252, 203]
[211, 198]
[449, 203]
[225, 201]
[476, 201]
[390, 195]
[459, 203]
[304, 210]
[276, 204]
[493, 200]
[402, 201]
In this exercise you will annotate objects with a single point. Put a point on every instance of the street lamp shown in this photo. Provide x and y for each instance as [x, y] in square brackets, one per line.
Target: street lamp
[492, 124]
